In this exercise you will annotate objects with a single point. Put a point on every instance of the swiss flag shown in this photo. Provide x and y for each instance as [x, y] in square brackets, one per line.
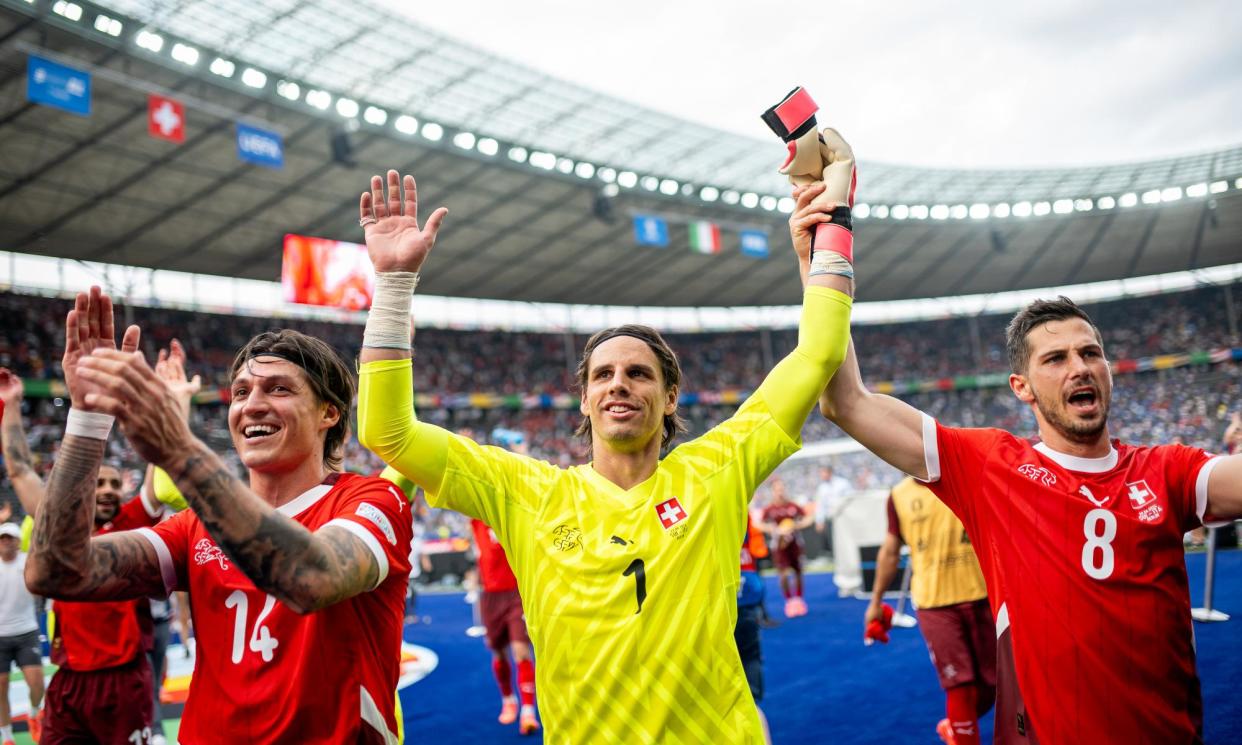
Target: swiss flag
[670, 512]
[165, 118]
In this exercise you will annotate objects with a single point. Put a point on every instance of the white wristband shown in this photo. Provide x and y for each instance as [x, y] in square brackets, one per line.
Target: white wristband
[830, 262]
[388, 323]
[88, 424]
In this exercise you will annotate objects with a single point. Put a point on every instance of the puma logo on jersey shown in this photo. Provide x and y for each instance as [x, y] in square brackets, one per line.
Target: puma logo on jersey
[206, 552]
[400, 498]
[1083, 490]
[1038, 474]
[619, 541]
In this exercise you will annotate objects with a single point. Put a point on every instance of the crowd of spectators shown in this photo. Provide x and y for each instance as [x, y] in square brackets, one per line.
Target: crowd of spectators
[1189, 404]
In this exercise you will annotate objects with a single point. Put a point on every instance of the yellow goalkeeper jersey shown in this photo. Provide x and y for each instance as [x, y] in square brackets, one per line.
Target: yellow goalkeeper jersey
[630, 595]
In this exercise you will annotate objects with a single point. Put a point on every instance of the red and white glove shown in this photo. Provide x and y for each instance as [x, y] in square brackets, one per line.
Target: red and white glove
[818, 156]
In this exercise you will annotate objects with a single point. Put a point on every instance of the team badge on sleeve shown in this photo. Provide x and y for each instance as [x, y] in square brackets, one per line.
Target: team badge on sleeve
[373, 513]
[670, 512]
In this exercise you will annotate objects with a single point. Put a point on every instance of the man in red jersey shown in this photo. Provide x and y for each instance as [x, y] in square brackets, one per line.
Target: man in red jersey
[298, 578]
[1079, 538]
[102, 690]
[500, 607]
[782, 519]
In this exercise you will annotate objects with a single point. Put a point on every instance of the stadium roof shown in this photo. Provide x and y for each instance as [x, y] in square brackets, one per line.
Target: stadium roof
[524, 161]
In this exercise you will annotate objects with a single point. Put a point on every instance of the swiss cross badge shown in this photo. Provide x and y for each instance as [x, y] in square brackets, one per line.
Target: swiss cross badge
[670, 512]
[1140, 495]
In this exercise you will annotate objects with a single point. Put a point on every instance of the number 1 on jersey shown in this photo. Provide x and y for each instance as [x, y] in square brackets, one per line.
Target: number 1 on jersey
[637, 568]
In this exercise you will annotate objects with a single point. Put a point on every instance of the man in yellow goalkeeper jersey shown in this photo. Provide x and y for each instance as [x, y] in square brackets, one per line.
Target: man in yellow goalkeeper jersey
[627, 566]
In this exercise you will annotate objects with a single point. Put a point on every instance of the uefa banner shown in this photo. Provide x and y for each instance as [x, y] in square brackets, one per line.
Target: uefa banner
[319, 271]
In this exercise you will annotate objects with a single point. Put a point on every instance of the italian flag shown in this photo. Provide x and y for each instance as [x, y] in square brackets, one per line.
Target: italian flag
[705, 237]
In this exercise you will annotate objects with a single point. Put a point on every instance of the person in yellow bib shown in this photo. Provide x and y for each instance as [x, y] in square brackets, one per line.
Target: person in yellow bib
[627, 566]
[952, 600]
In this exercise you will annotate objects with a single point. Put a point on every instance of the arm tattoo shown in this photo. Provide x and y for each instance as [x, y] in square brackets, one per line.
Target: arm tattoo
[305, 571]
[17, 456]
[65, 562]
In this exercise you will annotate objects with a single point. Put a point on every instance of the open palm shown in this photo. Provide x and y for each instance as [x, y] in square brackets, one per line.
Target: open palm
[395, 242]
[88, 327]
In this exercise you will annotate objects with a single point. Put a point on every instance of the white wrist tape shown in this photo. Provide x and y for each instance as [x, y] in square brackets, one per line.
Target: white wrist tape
[88, 424]
[388, 324]
[830, 262]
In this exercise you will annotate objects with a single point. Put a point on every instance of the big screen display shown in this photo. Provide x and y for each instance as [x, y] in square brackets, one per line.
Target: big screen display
[319, 271]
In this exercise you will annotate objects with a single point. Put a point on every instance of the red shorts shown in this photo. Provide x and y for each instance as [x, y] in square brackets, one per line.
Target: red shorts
[962, 642]
[503, 616]
[110, 706]
[788, 556]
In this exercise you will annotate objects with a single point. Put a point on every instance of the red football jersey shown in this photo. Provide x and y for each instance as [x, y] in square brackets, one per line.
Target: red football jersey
[264, 674]
[778, 513]
[93, 636]
[1087, 578]
[494, 570]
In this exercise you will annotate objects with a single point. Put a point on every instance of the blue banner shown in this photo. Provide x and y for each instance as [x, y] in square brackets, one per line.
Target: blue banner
[650, 231]
[755, 243]
[259, 146]
[61, 86]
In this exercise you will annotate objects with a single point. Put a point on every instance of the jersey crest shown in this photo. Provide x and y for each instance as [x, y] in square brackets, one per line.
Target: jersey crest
[206, 552]
[670, 512]
[1038, 474]
[1143, 500]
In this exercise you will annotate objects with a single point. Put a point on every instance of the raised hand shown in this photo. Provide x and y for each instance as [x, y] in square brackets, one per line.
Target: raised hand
[10, 388]
[394, 240]
[170, 368]
[806, 215]
[88, 327]
[123, 385]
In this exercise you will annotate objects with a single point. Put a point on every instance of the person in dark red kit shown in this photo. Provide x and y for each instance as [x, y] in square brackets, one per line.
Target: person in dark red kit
[1079, 537]
[782, 519]
[500, 607]
[298, 577]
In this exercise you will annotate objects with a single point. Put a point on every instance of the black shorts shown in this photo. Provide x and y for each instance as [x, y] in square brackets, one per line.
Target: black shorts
[24, 649]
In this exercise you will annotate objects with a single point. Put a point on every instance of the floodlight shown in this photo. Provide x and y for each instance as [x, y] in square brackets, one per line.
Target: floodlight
[1022, 209]
[899, 211]
[1151, 197]
[768, 202]
[1041, 208]
[257, 79]
[153, 42]
[1171, 194]
[1063, 206]
[709, 193]
[650, 183]
[1216, 187]
[288, 89]
[565, 165]
[188, 55]
[109, 26]
[1197, 190]
[517, 154]
[862, 210]
[72, 11]
[880, 211]
[919, 212]
[464, 140]
[959, 212]
[584, 170]
[786, 205]
[406, 124]
[730, 197]
[225, 69]
[544, 160]
[375, 115]
[1083, 205]
[1000, 210]
[979, 211]
[627, 179]
[750, 199]
[1105, 203]
[1129, 199]
[668, 186]
[488, 146]
[432, 131]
